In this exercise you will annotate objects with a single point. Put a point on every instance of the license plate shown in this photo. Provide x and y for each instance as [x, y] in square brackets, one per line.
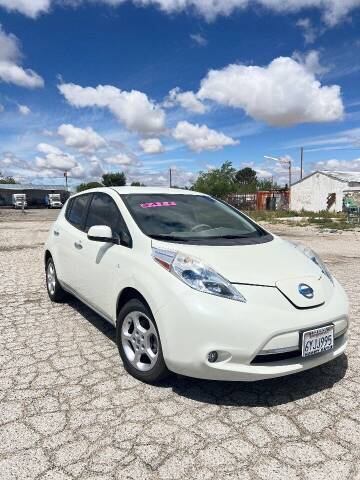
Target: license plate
[317, 340]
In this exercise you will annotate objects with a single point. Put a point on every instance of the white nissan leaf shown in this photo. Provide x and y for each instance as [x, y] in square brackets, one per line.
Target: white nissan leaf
[195, 287]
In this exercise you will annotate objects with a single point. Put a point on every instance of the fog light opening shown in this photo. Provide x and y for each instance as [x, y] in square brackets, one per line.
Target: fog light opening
[212, 357]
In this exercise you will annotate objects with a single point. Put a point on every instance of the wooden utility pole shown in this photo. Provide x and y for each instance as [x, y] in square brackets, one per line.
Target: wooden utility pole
[66, 179]
[301, 162]
[289, 175]
[170, 178]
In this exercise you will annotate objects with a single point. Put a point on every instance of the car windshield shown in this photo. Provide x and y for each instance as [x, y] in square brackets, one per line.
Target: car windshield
[185, 218]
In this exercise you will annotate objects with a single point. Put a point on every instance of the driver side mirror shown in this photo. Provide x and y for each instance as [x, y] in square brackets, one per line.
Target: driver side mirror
[101, 233]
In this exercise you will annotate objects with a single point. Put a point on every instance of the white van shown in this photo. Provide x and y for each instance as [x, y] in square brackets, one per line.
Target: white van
[53, 200]
[19, 200]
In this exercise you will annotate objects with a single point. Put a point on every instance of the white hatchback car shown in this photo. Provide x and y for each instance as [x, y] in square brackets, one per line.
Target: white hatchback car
[195, 287]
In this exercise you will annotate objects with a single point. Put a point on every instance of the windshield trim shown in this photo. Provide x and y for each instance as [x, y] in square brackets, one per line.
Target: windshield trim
[263, 237]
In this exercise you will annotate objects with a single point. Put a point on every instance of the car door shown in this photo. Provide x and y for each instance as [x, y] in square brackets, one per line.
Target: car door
[70, 259]
[108, 264]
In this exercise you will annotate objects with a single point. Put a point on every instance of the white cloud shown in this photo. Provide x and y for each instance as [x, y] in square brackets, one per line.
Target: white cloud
[24, 109]
[310, 61]
[10, 59]
[210, 167]
[200, 137]
[333, 11]
[180, 177]
[339, 165]
[308, 30]
[96, 169]
[152, 145]
[31, 8]
[284, 93]
[54, 158]
[83, 139]
[199, 39]
[186, 100]
[120, 159]
[133, 109]
[77, 172]
[262, 173]
[54, 162]
[47, 149]
[340, 140]
[10, 160]
[47, 133]
[2, 108]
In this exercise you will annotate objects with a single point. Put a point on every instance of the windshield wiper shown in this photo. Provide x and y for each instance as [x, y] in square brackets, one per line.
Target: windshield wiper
[170, 238]
[231, 236]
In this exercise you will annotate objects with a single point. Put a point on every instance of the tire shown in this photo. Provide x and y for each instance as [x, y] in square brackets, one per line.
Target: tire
[139, 344]
[55, 291]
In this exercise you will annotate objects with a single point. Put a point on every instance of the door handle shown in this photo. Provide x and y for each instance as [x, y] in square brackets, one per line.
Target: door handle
[56, 233]
[78, 245]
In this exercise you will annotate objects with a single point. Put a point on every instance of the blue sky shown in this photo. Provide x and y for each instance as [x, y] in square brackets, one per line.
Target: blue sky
[90, 87]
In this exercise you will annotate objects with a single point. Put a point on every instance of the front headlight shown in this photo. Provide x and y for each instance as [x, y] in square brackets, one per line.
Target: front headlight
[308, 252]
[194, 273]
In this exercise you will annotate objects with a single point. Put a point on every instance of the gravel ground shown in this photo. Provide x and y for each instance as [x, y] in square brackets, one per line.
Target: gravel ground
[68, 410]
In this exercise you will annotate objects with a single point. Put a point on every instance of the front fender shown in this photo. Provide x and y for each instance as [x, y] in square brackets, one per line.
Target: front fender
[158, 287]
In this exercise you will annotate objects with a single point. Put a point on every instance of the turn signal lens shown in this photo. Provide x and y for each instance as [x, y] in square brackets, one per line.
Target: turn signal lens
[163, 257]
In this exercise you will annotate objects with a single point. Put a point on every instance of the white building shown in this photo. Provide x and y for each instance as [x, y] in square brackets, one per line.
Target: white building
[325, 191]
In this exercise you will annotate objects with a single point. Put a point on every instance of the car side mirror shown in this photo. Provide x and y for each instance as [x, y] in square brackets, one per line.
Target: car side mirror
[101, 233]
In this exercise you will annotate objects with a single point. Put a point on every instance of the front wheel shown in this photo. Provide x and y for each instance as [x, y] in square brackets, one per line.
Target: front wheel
[139, 344]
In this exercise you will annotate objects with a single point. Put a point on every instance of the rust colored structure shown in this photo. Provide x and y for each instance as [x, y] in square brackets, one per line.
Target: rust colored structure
[275, 200]
[264, 200]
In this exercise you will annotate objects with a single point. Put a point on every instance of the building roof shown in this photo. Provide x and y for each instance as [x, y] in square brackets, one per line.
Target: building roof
[345, 177]
[29, 186]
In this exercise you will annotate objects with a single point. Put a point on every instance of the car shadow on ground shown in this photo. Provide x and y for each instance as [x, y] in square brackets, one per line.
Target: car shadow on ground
[265, 393]
[92, 317]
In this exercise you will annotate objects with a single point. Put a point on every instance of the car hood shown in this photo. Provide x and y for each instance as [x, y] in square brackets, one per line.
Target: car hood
[274, 264]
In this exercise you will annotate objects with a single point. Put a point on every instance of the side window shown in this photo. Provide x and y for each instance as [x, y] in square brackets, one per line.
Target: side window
[68, 208]
[76, 211]
[104, 211]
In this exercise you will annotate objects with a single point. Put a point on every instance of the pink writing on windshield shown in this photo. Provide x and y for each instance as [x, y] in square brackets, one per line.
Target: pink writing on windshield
[157, 204]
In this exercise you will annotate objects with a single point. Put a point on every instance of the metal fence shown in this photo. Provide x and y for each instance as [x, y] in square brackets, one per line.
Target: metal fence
[275, 200]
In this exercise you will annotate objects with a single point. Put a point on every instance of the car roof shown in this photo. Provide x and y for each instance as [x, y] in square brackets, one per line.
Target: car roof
[163, 190]
[143, 190]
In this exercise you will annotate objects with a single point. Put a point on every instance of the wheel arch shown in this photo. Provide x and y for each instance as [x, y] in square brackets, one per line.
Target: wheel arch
[128, 294]
[47, 255]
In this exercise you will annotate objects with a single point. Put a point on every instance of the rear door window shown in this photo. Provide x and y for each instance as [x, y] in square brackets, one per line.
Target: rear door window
[77, 210]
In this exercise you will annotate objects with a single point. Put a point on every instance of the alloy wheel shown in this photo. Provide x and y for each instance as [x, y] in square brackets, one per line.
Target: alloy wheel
[51, 278]
[140, 340]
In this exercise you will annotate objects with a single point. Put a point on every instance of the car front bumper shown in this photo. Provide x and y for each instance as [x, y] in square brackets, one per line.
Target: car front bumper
[194, 324]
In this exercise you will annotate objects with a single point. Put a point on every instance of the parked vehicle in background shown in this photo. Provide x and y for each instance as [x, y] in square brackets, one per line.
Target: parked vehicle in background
[19, 200]
[194, 286]
[53, 200]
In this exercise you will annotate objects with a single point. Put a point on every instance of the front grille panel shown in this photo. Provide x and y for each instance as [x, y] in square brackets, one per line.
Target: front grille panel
[277, 357]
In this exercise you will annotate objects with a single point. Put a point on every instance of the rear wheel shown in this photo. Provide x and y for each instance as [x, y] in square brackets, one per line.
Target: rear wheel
[139, 342]
[55, 291]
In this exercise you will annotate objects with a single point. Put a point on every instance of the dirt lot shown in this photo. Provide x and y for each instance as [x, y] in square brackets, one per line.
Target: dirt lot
[68, 410]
